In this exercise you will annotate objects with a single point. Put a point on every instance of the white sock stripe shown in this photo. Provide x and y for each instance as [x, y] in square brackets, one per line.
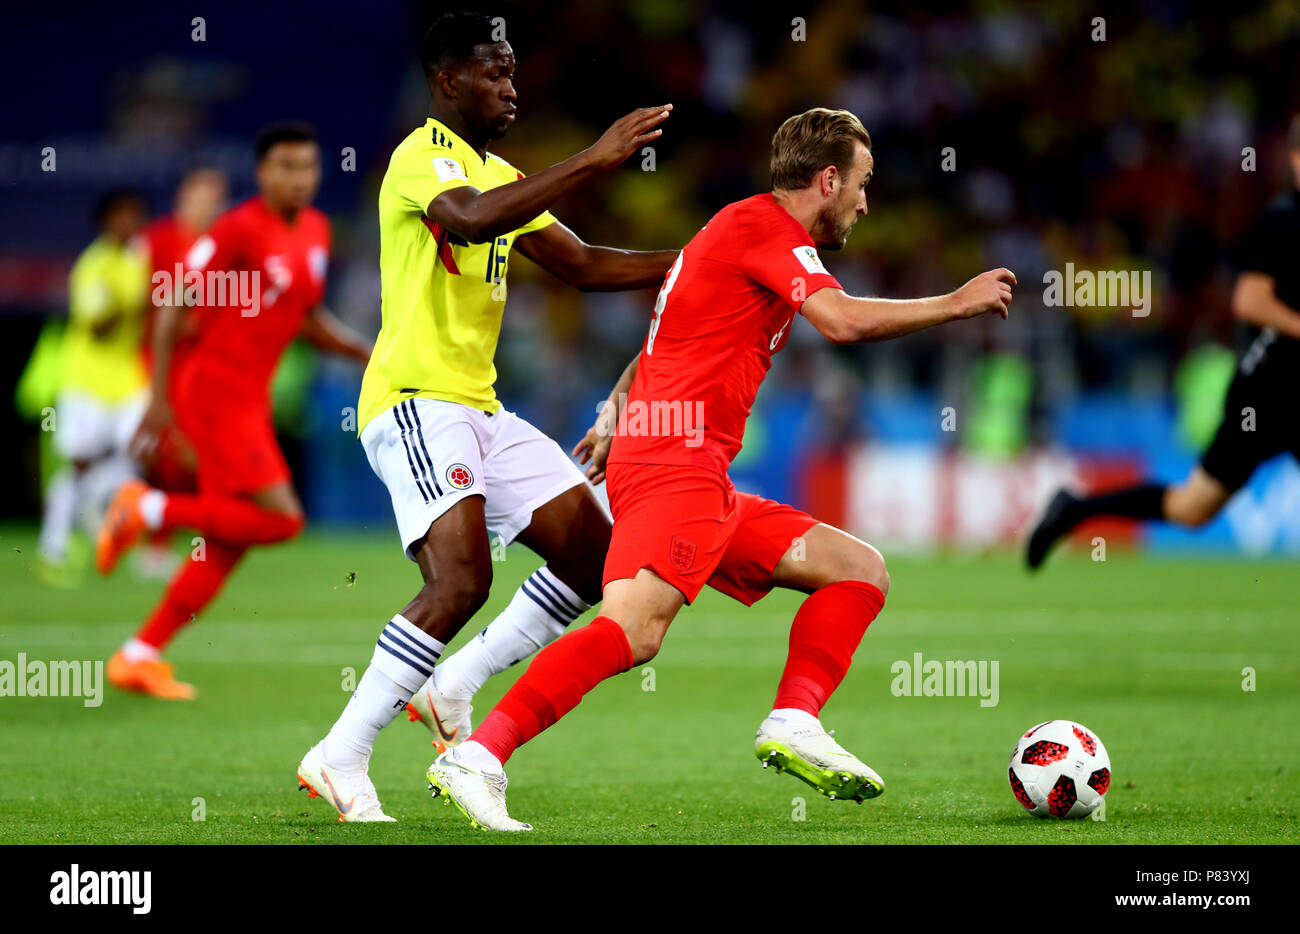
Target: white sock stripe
[399, 667]
[562, 590]
[546, 602]
[391, 640]
[556, 599]
[406, 654]
[417, 635]
[419, 650]
[401, 660]
[548, 590]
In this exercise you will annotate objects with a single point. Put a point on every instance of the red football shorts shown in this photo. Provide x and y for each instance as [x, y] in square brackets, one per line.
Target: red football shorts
[233, 439]
[691, 527]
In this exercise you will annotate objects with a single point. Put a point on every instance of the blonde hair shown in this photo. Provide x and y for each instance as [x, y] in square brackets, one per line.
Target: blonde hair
[808, 142]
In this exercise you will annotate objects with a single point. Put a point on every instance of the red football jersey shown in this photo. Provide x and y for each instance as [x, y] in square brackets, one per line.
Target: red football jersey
[261, 276]
[167, 241]
[725, 308]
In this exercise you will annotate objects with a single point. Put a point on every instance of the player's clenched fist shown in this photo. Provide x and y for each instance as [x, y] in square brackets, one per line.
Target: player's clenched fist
[627, 133]
[988, 292]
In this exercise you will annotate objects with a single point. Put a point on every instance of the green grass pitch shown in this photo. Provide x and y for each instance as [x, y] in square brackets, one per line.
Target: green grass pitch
[1149, 653]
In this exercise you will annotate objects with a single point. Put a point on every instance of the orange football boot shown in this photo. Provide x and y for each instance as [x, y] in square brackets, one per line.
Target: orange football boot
[122, 526]
[151, 676]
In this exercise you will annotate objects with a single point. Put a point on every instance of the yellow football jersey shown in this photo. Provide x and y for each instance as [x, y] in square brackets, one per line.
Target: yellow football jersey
[108, 281]
[442, 298]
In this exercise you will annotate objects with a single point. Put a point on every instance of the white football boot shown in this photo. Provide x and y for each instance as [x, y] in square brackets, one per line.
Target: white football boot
[809, 753]
[352, 793]
[446, 717]
[479, 794]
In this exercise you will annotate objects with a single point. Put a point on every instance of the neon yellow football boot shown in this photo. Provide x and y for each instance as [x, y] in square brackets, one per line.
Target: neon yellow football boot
[808, 752]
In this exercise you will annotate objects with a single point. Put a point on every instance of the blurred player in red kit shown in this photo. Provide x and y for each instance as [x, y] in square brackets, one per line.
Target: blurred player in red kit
[255, 281]
[726, 306]
[200, 197]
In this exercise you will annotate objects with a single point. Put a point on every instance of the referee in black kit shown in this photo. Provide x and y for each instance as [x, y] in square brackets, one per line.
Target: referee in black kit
[1261, 415]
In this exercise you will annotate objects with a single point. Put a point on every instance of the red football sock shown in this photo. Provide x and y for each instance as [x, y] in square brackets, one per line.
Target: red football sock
[825, 633]
[230, 519]
[553, 685]
[193, 587]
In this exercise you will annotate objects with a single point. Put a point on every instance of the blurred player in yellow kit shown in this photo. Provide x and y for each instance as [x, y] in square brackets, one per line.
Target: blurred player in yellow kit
[103, 383]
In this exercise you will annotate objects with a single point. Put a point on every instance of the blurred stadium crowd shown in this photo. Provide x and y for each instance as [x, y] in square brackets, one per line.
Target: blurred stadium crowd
[1128, 152]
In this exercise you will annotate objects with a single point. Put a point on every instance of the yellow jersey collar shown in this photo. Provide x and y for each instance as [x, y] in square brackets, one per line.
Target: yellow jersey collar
[448, 138]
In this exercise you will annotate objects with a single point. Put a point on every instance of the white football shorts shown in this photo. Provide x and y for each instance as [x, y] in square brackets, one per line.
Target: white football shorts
[432, 454]
[88, 428]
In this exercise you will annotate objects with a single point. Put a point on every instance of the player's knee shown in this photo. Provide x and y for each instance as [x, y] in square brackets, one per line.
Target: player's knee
[868, 565]
[645, 646]
[644, 640]
[1189, 511]
[883, 580]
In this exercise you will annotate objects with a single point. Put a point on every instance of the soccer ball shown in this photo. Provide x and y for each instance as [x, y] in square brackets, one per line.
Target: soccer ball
[1060, 769]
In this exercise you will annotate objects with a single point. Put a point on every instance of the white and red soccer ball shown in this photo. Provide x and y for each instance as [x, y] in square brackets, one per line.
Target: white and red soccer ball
[1060, 769]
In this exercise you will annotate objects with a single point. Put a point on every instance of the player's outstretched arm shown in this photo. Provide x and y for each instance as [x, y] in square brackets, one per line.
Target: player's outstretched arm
[1254, 300]
[561, 252]
[478, 216]
[593, 449]
[845, 319]
[326, 332]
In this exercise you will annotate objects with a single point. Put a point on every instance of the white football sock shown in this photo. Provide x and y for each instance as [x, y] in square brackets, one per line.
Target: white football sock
[403, 659]
[541, 610]
[476, 756]
[60, 510]
[152, 504]
[795, 717]
[137, 651]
